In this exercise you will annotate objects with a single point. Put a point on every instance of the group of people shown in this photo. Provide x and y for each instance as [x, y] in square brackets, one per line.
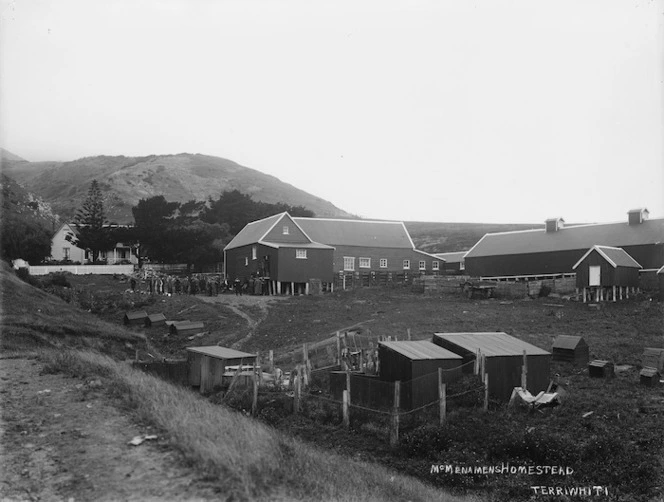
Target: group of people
[156, 283]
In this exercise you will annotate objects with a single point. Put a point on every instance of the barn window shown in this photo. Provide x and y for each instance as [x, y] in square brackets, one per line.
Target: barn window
[301, 254]
[254, 252]
[365, 262]
[406, 264]
[423, 265]
[383, 263]
[434, 265]
[246, 261]
[285, 230]
[349, 263]
[462, 265]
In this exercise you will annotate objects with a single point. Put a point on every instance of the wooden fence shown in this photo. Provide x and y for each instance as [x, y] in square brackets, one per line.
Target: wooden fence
[82, 269]
[351, 280]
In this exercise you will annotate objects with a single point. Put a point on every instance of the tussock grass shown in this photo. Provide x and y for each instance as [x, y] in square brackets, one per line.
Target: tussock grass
[250, 460]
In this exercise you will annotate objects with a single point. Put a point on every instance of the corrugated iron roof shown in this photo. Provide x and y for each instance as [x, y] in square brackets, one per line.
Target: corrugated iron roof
[569, 238]
[254, 231]
[566, 342]
[388, 234]
[492, 344]
[157, 317]
[617, 257]
[140, 314]
[221, 352]
[418, 350]
[455, 257]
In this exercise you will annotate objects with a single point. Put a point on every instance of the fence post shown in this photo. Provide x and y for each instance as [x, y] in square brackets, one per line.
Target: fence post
[254, 402]
[394, 430]
[442, 397]
[296, 396]
[339, 347]
[271, 359]
[305, 366]
[408, 330]
[484, 373]
[346, 409]
[524, 371]
[486, 392]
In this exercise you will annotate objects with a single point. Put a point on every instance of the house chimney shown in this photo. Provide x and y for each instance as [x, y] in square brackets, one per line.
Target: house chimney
[637, 216]
[553, 224]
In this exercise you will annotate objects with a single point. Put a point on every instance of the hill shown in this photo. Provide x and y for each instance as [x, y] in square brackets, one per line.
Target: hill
[25, 205]
[182, 177]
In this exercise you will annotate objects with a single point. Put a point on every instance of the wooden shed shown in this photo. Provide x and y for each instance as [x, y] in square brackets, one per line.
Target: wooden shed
[601, 369]
[571, 349]
[137, 317]
[155, 320]
[415, 364]
[605, 273]
[649, 377]
[504, 360]
[207, 365]
[186, 328]
[653, 358]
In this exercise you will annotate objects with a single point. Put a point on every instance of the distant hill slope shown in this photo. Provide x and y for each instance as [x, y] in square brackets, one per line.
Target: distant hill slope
[182, 177]
[25, 205]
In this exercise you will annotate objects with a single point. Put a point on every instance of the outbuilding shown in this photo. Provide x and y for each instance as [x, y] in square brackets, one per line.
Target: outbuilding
[155, 320]
[504, 355]
[137, 317]
[571, 349]
[186, 328]
[606, 272]
[416, 364]
[207, 365]
[653, 358]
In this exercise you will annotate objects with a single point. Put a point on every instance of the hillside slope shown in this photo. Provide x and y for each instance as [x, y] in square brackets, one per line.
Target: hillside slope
[182, 177]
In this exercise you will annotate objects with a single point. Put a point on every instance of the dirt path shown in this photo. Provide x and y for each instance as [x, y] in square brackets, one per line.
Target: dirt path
[62, 440]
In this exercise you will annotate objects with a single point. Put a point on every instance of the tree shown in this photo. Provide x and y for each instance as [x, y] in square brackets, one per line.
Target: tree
[25, 239]
[92, 232]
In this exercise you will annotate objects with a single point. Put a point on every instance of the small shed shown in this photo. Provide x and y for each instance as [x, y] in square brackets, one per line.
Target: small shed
[601, 369]
[571, 349]
[207, 365]
[137, 317]
[415, 364]
[155, 320]
[653, 358]
[650, 377]
[504, 360]
[186, 328]
[606, 272]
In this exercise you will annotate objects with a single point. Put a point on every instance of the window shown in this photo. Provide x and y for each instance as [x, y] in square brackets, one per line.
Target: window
[349, 263]
[285, 230]
[365, 262]
[123, 252]
[423, 265]
[434, 265]
[65, 253]
[246, 261]
[254, 252]
[301, 254]
[406, 264]
[462, 265]
[102, 255]
[383, 263]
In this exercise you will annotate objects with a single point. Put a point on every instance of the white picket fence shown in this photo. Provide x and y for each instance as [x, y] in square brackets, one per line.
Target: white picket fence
[82, 269]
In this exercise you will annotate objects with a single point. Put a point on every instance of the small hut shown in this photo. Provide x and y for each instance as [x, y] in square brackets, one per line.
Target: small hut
[504, 360]
[653, 358]
[571, 349]
[207, 365]
[601, 369]
[186, 328]
[649, 377]
[155, 320]
[137, 317]
[605, 273]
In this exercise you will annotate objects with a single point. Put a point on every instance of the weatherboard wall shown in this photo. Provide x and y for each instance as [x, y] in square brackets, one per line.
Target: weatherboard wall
[609, 275]
[394, 256]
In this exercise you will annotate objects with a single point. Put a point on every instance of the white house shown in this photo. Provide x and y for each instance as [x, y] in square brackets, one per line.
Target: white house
[62, 249]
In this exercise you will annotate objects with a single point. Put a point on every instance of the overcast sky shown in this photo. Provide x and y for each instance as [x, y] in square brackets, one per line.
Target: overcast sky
[485, 111]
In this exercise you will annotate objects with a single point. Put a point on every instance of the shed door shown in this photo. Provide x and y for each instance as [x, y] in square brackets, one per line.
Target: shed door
[594, 275]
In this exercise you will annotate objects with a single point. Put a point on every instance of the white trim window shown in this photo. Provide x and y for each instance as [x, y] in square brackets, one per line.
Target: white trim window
[406, 264]
[423, 265]
[365, 262]
[285, 230]
[349, 263]
[435, 265]
[254, 252]
[383, 263]
[301, 254]
[246, 261]
[462, 265]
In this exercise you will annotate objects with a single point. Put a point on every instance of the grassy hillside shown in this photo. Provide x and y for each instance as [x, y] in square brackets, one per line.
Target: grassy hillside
[183, 177]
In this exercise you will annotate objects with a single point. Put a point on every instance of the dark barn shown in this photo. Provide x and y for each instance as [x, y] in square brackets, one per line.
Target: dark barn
[504, 360]
[605, 272]
[207, 365]
[416, 363]
[571, 349]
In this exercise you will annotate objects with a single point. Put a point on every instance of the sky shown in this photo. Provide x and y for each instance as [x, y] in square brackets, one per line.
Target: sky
[497, 111]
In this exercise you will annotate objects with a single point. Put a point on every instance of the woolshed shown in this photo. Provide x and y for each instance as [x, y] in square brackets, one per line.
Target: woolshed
[137, 317]
[416, 363]
[601, 369]
[504, 360]
[649, 377]
[605, 273]
[653, 358]
[186, 328]
[571, 349]
[207, 365]
[155, 320]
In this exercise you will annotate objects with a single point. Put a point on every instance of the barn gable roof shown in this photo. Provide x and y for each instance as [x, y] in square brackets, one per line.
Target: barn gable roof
[491, 344]
[661, 270]
[419, 350]
[617, 257]
[569, 238]
[221, 352]
[365, 233]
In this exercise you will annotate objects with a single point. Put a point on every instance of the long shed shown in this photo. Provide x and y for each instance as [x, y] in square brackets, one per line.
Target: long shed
[136, 317]
[416, 364]
[186, 328]
[571, 349]
[504, 360]
[207, 365]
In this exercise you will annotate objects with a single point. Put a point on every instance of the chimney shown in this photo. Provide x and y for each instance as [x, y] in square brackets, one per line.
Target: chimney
[553, 224]
[637, 216]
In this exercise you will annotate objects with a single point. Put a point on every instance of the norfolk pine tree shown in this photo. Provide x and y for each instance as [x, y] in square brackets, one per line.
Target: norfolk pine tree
[92, 231]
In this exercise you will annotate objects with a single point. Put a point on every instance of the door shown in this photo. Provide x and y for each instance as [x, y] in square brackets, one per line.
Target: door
[594, 275]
